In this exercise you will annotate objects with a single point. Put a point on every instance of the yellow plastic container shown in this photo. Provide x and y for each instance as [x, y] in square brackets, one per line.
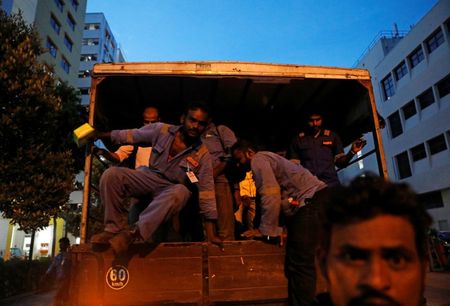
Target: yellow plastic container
[82, 133]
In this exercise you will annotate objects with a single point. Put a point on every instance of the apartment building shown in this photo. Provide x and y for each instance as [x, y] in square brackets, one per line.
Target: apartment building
[98, 46]
[60, 26]
[411, 81]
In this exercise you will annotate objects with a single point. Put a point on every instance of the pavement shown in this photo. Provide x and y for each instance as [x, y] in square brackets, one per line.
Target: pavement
[437, 292]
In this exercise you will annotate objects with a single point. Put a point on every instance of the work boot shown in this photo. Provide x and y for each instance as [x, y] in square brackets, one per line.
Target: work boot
[122, 241]
[102, 238]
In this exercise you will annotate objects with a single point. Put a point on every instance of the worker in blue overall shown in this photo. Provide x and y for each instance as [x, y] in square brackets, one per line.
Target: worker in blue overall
[289, 188]
[320, 150]
[179, 161]
[218, 140]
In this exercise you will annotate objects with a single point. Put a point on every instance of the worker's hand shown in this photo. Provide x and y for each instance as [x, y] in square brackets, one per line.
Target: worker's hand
[358, 144]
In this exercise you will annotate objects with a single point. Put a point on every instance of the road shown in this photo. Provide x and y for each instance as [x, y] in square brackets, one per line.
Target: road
[437, 293]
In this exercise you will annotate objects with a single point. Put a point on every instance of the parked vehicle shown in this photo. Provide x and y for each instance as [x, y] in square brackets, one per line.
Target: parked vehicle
[260, 102]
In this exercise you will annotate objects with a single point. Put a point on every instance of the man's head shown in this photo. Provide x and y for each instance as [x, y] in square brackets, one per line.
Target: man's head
[150, 115]
[195, 120]
[242, 152]
[64, 244]
[314, 122]
[373, 244]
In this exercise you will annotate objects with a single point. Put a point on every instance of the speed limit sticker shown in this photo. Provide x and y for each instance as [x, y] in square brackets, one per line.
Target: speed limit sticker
[117, 277]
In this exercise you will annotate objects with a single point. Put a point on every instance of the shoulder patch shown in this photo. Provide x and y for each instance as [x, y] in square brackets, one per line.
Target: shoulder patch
[327, 132]
[165, 128]
[301, 135]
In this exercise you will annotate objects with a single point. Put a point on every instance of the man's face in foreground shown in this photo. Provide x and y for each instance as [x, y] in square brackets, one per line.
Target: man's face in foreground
[375, 262]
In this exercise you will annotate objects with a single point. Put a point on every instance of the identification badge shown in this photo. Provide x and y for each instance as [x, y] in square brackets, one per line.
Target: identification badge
[191, 176]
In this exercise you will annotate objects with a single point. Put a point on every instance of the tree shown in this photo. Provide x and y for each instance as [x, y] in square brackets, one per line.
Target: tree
[37, 116]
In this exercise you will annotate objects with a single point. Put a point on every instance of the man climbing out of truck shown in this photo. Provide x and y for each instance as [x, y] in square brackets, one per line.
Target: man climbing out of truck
[179, 161]
[320, 150]
[288, 187]
[139, 157]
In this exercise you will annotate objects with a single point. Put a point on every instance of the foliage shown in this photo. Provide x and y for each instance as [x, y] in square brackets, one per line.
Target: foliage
[36, 120]
[19, 276]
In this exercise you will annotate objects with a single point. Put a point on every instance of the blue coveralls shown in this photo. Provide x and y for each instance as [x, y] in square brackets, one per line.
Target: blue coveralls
[278, 180]
[218, 140]
[318, 154]
[165, 180]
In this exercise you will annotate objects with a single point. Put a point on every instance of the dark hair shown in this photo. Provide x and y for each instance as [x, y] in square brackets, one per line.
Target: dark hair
[367, 197]
[197, 105]
[64, 240]
[243, 145]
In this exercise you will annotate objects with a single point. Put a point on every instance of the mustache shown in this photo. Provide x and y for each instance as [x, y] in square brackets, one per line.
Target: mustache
[368, 294]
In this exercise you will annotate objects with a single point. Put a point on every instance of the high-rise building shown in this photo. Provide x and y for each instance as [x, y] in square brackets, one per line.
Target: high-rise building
[98, 46]
[411, 81]
[60, 26]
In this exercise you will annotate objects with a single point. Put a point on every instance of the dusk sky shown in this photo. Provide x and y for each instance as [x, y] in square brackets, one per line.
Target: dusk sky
[310, 32]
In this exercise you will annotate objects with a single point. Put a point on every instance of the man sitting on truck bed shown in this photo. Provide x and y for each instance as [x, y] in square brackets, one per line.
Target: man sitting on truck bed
[179, 161]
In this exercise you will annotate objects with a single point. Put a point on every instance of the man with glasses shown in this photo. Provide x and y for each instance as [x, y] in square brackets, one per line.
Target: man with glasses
[179, 162]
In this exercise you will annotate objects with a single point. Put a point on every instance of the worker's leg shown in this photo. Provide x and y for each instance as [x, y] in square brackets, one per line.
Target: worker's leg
[225, 212]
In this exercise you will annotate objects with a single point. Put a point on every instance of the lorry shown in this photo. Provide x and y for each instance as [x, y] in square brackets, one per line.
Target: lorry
[261, 102]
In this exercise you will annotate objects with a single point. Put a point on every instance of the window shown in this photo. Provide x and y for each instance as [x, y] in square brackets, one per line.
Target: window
[90, 42]
[59, 4]
[65, 65]
[84, 91]
[88, 57]
[409, 110]
[443, 86]
[437, 144]
[68, 43]
[435, 40]
[75, 4]
[426, 98]
[395, 124]
[418, 152]
[92, 26]
[55, 24]
[51, 47]
[84, 74]
[400, 71]
[431, 199]
[388, 87]
[404, 169]
[71, 22]
[416, 57]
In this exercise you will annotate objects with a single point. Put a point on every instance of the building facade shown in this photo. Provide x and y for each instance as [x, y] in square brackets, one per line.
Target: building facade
[60, 26]
[411, 81]
[98, 46]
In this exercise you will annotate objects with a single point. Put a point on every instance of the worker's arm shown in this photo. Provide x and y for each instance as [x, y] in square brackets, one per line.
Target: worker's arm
[343, 160]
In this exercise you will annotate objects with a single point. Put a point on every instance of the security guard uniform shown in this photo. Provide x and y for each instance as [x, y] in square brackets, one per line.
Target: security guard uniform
[165, 180]
[318, 154]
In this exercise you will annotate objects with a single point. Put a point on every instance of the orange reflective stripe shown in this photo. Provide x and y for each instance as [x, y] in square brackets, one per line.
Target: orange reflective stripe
[207, 195]
[129, 136]
[201, 151]
[268, 191]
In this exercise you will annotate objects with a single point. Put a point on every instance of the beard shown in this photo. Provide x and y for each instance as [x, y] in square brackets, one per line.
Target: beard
[373, 297]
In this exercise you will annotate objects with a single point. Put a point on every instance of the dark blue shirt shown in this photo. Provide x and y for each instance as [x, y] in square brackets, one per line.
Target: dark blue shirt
[318, 154]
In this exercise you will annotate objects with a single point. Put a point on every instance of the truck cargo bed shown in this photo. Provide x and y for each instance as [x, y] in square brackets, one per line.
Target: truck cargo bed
[246, 273]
